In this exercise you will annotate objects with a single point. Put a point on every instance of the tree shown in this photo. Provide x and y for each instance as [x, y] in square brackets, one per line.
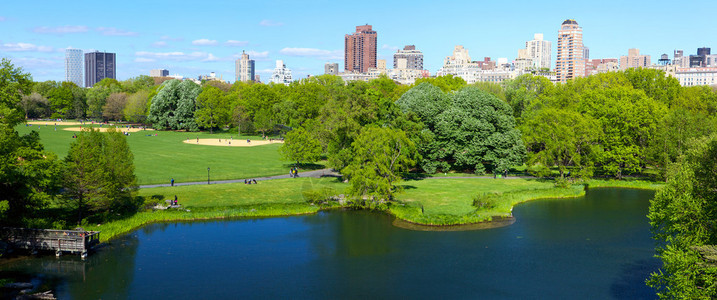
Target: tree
[560, 137]
[300, 146]
[174, 105]
[524, 89]
[35, 106]
[136, 108]
[13, 84]
[682, 217]
[263, 121]
[84, 172]
[212, 108]
[426, 101]
[99, 173]
[446, 83]
[380, 156]
[477, 132]
[114, 107]
[629, 120]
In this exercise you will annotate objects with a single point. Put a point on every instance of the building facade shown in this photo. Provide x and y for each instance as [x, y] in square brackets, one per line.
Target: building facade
[460, 65]
[98, 66]
[570, 62]
[158, 73]
[696, 76]
[73, 66]
[360, 49]
[408, 58]
[539, 51]
[634, 60]
[281, 75]
[331, 68]
[244, 68]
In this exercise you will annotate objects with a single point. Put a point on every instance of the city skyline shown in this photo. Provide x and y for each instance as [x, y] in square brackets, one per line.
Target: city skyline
[161, 35]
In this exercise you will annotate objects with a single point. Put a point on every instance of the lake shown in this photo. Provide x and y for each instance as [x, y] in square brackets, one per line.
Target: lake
[596, 247]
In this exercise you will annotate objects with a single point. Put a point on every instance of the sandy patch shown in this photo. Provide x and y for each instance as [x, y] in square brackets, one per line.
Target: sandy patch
[104, 129]
[53, 123]
[230, 143]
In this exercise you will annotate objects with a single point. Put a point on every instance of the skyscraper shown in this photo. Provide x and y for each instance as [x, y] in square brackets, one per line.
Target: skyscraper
[158, 73]
[539, 51]
[634, 60]
[73, 66]
[98, 66]
[408, 58]
[244, 68]
[360, 49]
[570, 62]
[282, 75]
[331, 68]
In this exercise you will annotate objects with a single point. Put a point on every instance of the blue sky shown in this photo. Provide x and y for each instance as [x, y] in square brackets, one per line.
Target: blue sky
[191, 38]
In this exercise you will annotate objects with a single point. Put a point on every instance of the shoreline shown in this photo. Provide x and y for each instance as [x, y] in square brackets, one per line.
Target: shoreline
[406, 215]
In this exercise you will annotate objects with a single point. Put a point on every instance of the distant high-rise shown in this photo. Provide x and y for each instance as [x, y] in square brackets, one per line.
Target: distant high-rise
[360, 49]
[282, 75]
[570, 62]
[98, 66]
[408, 58]
[331, 68]
[539, 51]
[158, 73]
[244, 68]
[73, 66]
[634, 60]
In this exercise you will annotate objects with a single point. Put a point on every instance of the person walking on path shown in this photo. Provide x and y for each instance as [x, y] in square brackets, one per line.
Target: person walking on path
[172, 181]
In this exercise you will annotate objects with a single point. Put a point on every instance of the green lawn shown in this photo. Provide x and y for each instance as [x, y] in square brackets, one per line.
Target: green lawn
[159, 158]
[455, 196]
[278, 191]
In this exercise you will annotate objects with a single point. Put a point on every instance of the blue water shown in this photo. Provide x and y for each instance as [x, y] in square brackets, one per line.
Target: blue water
[596, 247]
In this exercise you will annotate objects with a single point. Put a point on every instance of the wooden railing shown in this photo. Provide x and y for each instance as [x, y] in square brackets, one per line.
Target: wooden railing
[73, 241]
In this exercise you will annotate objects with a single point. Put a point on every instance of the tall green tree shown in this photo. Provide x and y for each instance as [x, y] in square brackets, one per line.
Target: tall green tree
[563, 138]
[174, 105]
[212, 108]
[300, 146]
[682, 217]
[99, 173]
[380, 157]
[629, 120]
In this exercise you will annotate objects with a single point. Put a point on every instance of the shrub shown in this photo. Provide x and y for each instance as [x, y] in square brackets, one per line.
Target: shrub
[485, 201]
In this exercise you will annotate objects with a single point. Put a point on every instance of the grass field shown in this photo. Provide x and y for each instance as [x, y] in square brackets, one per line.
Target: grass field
[159, 158]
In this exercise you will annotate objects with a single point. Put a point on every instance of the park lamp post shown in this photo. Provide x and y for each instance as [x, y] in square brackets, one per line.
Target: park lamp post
[207, 175]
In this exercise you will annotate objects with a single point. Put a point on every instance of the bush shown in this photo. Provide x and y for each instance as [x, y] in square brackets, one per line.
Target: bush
[485, 201]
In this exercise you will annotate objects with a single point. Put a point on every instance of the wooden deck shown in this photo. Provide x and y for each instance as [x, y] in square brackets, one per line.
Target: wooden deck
[60, 241]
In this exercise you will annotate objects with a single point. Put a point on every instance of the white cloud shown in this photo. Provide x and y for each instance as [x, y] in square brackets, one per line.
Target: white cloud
[389, 47]
[175, 56]
[204, 42]
[211, 57]
[143, 60]
[25, 47]
[159, 44]
[111, 31]
[234, 43]
[255, 54]
[270, 23]
[313, 52]
[34, 62]
[61, 29]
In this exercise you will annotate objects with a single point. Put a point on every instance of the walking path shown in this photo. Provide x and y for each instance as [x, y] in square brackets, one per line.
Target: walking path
[314, 174]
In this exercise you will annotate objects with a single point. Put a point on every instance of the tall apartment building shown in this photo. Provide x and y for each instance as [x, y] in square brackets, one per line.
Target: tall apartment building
[539, 51]
[244, 68]
[73, 66]
[281, 75]
[408, 58]
[634, 60]
[570, 62]
[158, 73]
[331, 68]
[98, 66]
[360, 49]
